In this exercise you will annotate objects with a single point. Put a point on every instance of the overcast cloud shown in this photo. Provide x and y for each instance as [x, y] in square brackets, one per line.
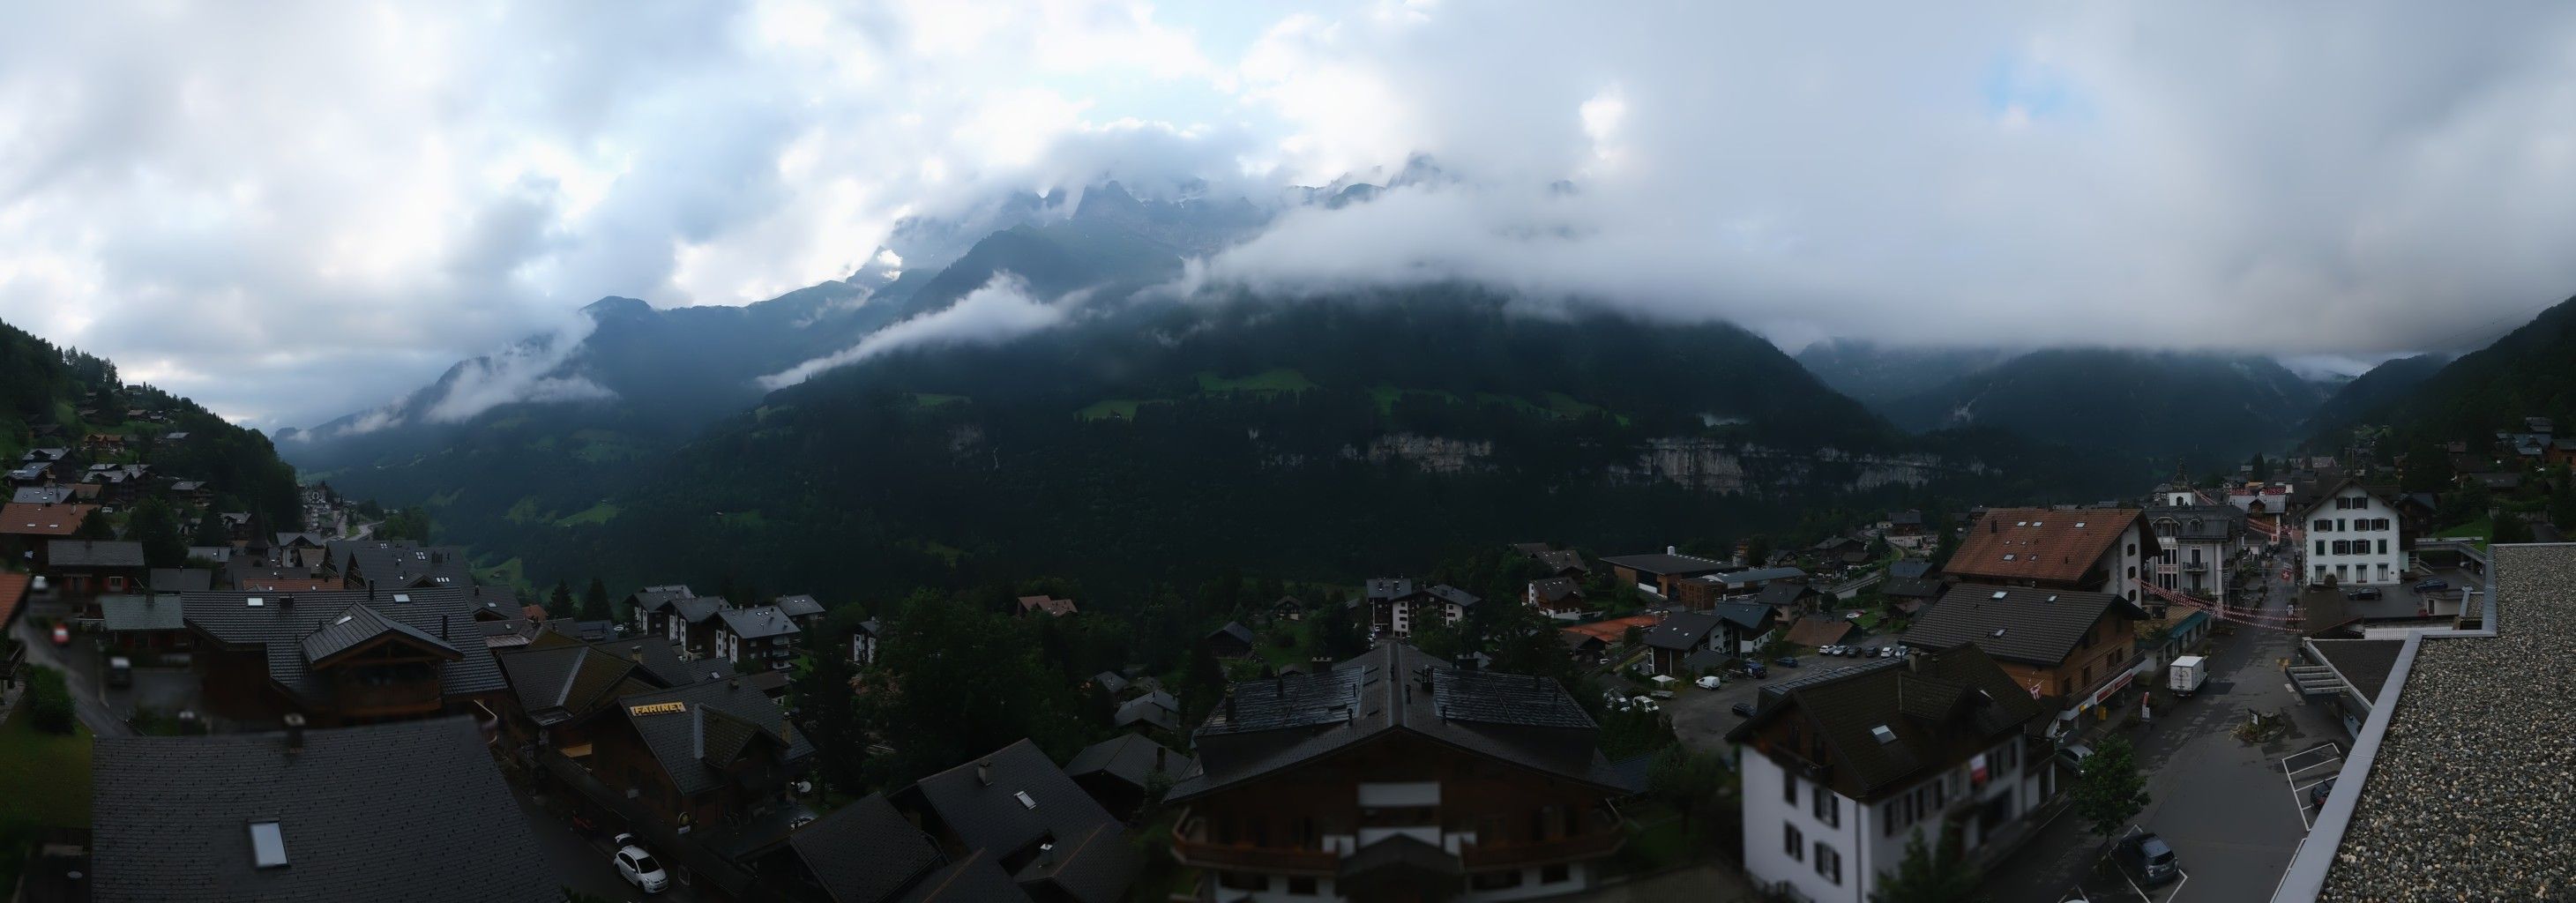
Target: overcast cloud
[293, 211]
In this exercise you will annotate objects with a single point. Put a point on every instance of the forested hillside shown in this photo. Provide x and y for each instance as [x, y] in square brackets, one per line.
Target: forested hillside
[2140, 410]
[66, 396]
[2527, 373]
[1310, 440]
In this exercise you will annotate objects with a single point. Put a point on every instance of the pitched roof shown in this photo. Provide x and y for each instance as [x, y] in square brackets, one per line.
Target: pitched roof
[2041, 544]
[656, 598]
[864, 852]
[1387, 588]
[1555, 589]
[759, 623]
[798, 606]
[1909, 568]
[1454, 596]
[981, 801]
[13, 588]
[63, 553]
[1782, 593]
[1049, 604]
[1277, 723]
[179, 580]
[1095, 866]
[1565, 560]
[2199, 523]
[391, 564]
[697, 609]
[1938, 707]
[1746, 615]
[1683, 630]
[1156, 708]
[40, 495]
[282, 621]
[1236, 631]
[685, 741]
[359, 625]
[2014, 624]
[1818, 631]
[1910, 588]
[1757, 575]
[558, 683]
[1130, 757]
[975, 878]
[410, 810]
[1666, 564]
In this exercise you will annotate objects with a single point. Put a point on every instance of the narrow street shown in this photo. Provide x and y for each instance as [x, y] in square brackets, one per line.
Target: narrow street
[79, 664]
[2224, 805]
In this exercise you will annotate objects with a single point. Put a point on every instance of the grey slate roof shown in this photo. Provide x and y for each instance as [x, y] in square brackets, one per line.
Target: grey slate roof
[1909, 568]
[83, 553]
[180, 580]
[1110, 682]
[1454, 596]
[1757, 575]
[975, 878]
[979, 803]
[1744, 615]
[656, 598]
[1681, 631]
[1783, 593]
[1156, 708]
[697, 609]
[864, 852]
[1385, 588]
[399, 563]
[798, 606]
[127, 613]
[359, 625]
[2039, 626]
[561, 683]
[758, 623]
[41, 495]
[1554, 589]
[411, 811]
[1237, 631]
[1130, 757]
[714, 710]
[281, 629]
[1282, 722]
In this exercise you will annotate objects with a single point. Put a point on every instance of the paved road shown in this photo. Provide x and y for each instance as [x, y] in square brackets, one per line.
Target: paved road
[580, 858]
[1701, 718]
[79, 664]
[2226, 807]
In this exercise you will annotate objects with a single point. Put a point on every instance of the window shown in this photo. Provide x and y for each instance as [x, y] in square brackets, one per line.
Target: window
[1789, 789]
[267, 844]
[1828, 808]
[2383, 549]
[2321, 547]
[1508, 878]
[1829, 863]
[1304, 885]
[1242, 881]
[1793, 841]
[2323, 525]
[1887, 819]
[1558, 873]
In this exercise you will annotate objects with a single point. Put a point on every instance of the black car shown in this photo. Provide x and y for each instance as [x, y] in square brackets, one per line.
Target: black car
[2432, 586]
[1743, 710]
[1786, 661]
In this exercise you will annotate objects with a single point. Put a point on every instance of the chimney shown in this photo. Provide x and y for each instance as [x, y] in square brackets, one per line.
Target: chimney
[1229, 704]
[635, 653]
[1162, 754]
[286, 601]
[984, 772]
[1914, 660]
[442, 627]
[294, 733]
[1672, 550]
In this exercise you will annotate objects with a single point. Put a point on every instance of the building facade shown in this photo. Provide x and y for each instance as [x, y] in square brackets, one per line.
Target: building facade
[2354, 535]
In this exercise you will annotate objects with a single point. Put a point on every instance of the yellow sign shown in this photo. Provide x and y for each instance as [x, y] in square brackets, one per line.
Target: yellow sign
[657, 708]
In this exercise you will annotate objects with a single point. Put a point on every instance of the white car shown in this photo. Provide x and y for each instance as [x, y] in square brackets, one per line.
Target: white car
[1708, 683]
[639, 868]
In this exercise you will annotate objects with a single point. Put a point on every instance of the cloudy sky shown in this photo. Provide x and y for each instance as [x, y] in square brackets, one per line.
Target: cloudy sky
[293, 211]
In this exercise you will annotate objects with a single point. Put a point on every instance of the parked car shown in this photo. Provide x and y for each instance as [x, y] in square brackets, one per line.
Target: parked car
[120, 671]
[2432, 586]
[1743, 710]
[1786, 661]
[2075, 754]
[36, 584]
[2150, 857]
[1709, 683]
[2362, 593]
[1753, 670]
[639, 868]
[2317, 794]
[62, 635]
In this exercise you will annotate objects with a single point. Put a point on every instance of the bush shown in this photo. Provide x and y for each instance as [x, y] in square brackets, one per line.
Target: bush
[49, 701]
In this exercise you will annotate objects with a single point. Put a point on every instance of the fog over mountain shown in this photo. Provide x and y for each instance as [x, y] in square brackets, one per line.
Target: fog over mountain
[212, 197]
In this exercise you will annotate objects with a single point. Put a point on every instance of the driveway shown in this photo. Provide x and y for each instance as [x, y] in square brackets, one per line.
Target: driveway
[79, 663]
[580, 858]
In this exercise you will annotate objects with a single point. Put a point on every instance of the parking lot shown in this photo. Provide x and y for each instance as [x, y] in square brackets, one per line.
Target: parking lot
[2309, 770]
[1701, 718]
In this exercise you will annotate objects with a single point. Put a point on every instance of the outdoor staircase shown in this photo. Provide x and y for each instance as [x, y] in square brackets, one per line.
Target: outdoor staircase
[2318, 680]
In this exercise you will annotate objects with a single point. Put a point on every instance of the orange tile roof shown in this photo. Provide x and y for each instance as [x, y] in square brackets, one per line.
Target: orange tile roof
[1614, 630]
[28, 519]
[13, 587]
[2041, 544]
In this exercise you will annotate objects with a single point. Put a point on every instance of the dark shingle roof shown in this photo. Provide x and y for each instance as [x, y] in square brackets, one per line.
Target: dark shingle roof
[798, 606]
[1236, 631]
[1940, 707]
[83, 553]
[560, 683]
[124, 613]
[1783, 593]
[758, 623]
[1454, 596]
[1281, 722]
[1910, 568]
[976, 878]
[358, 625]
[680, 740]
[390, 564]
[407, 811]
[1666, 565]
[1095, 866]
[1131, 758]
[2038, 626]
[980, 802]
[1555, 589]
[281, 628]
[1683, 630]
[864, 852]
[1156, 708]
[1385, 588]
[1746, 615]
[180, 580]
[697, 609]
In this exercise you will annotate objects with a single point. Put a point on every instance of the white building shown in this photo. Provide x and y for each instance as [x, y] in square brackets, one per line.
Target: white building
[1826, 824]
[2352, 536]
[2196, 542]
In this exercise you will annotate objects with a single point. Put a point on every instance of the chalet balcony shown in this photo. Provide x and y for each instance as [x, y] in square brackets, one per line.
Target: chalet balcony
[1192, 846]
[1601, 834]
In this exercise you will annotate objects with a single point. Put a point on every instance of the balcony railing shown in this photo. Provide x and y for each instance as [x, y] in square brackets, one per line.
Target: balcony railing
[1563, 849]
[1191, 846]
[2195, 567]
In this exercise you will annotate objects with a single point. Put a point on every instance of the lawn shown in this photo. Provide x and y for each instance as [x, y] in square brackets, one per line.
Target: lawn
[746, 519]
[1385, 396]
[511, 573]
[1272, 380]
[596, 514]
[44, 779]
[2480, 528]
[932, 399]
[1116, 408]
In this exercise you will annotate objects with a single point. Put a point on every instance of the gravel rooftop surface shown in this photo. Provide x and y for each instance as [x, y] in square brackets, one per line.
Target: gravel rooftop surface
[2473, 796]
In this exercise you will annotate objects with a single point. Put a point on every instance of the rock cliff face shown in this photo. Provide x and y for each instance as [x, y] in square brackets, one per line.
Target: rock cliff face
[1701, 464]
